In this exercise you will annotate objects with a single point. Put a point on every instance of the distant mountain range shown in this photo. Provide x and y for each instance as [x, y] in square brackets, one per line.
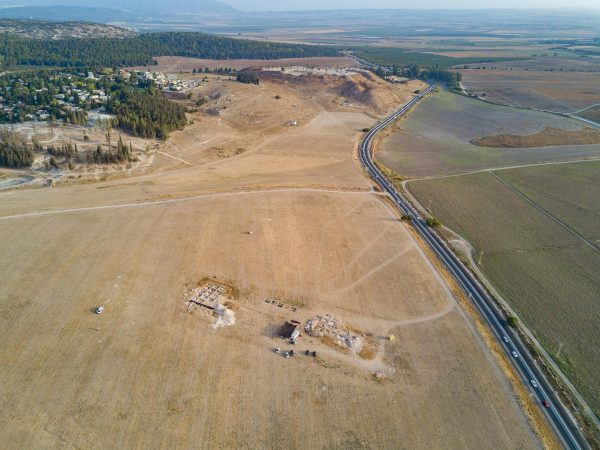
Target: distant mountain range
[109, 10]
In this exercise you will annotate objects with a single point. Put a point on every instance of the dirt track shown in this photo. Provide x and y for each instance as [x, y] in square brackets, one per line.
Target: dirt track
[148, 374]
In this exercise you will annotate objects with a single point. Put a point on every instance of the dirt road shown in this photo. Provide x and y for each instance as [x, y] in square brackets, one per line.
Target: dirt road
[148, 374]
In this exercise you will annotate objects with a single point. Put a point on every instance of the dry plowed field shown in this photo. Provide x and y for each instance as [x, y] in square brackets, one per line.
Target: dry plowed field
[557, 90]
[435, 139]
[536, 236]
[291, 218]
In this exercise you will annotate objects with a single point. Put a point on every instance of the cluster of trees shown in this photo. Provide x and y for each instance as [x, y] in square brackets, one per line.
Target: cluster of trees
[14, 151]
[140, 50]
[66, 150]
[146, 113]
[248, 78]
[409, 71]
[100, 156]
[218, 70]
[437, 73]
[75, 117]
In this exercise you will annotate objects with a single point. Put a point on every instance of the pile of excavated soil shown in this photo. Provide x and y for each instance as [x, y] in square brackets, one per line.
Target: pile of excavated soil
[547, 137]
[332, 330]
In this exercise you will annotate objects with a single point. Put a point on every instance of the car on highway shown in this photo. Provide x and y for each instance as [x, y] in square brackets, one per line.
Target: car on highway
[515, 354]
[505, 338]
[534, 383]
[546, 404]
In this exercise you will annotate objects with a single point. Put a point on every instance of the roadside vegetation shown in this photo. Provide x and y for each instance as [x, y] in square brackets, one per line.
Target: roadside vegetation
[433, 222]
[392, 176]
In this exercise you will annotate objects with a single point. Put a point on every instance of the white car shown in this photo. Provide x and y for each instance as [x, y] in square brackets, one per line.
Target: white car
[99, 310]
[515, 354]
[504, 338]
[534, 384]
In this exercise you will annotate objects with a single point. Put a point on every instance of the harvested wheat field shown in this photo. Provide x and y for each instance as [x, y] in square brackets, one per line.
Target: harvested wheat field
[558, 89]
[289, 229]
[545, 138]
[439, 137]
[535, 234]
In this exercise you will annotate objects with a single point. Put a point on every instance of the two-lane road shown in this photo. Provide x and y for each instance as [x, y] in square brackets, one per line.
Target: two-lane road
[563, 424]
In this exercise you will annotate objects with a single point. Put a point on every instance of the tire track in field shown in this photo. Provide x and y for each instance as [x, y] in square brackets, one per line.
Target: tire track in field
[547, 213]
[182, 199]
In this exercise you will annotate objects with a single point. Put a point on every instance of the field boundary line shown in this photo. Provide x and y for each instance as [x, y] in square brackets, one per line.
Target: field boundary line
[497, 169]
[551, 216]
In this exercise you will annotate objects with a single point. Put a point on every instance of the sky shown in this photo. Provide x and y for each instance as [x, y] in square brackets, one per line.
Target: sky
[272, 5]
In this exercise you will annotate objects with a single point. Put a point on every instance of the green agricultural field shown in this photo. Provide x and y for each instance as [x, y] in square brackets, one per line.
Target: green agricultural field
[435, 138]
[390, 56]
[548, 272]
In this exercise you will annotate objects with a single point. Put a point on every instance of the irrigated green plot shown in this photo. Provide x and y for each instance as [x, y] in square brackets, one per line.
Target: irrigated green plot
[435, 138]
[547, 273]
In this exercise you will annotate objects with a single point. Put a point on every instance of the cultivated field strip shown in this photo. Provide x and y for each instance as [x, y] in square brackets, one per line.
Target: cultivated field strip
[548, 274]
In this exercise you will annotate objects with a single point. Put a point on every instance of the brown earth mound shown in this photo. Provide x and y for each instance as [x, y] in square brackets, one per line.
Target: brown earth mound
[547, 137]
[359, 89]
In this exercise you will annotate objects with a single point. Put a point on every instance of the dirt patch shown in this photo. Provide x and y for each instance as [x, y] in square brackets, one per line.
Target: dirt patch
[545, 138]
[367, 353]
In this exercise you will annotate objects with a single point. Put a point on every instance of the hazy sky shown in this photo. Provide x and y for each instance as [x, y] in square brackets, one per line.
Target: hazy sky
[257, 5]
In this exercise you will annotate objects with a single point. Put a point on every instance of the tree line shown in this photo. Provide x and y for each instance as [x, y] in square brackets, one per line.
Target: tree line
[140, 50]
[247, 78]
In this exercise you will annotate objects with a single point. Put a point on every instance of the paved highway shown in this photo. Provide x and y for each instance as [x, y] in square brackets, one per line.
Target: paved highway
[562, 422]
